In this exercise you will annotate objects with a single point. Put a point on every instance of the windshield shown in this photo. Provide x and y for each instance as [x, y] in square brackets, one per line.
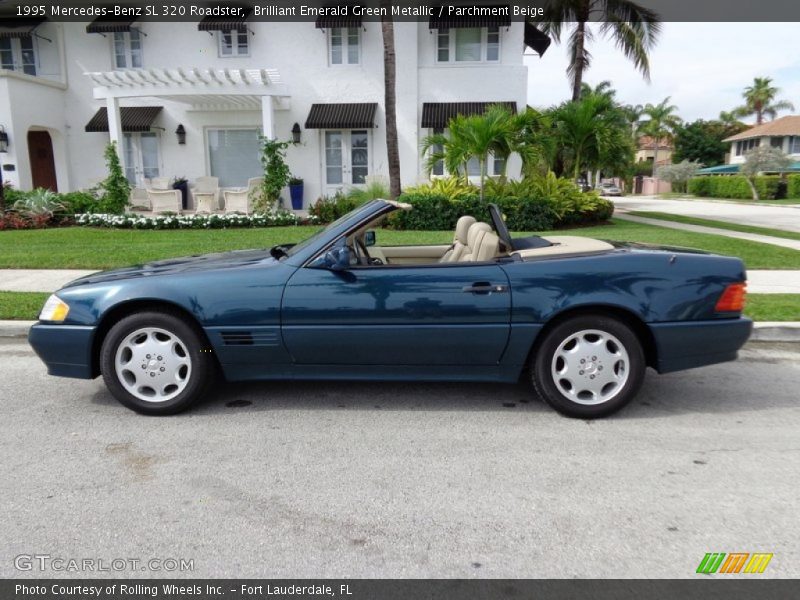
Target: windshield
[306, 242]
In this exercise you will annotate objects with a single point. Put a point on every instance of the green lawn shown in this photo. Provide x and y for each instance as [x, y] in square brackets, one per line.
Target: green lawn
[761, 307]
[100, 248]
[792, 235]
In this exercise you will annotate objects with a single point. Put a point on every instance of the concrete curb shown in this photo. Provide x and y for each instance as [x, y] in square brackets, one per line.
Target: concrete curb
[763, 331]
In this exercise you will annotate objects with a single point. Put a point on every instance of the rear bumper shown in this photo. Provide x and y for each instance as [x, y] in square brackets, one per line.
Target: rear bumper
[690, 344]
[66, 350]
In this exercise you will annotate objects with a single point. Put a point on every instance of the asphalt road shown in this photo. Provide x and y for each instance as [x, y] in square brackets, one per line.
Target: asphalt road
[397, 480]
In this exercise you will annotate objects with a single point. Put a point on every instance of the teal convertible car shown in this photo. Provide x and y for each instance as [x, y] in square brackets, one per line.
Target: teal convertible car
[581, 318]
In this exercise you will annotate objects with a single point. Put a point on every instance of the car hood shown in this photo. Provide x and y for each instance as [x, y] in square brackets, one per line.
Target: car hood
[204, 262]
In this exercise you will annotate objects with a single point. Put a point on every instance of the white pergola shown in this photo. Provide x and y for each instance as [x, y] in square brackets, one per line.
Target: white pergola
[201, 89]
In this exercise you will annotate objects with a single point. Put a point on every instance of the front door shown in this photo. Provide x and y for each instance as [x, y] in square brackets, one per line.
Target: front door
[43, 165]
[397, 315]
[346, 159]
[142, 157]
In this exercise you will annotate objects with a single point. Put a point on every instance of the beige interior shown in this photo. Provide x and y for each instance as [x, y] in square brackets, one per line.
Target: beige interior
[475, 241]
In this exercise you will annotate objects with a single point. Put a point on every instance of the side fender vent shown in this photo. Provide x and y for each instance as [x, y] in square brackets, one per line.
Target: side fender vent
[237, 338]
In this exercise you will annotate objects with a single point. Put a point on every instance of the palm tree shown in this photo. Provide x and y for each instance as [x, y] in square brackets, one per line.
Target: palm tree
[474, 136]
[601, 89]
[661, 126]
[390, 98]
[633, 28]
[759, 100]
[592, 134]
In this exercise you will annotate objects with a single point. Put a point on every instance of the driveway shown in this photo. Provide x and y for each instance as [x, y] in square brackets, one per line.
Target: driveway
[776, 217]
[405, 480]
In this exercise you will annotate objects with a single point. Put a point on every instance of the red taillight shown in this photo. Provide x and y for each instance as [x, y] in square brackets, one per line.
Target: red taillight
[732, 299]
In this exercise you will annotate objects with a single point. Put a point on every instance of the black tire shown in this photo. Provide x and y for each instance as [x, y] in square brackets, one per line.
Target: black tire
[588, 404]
[197, 377]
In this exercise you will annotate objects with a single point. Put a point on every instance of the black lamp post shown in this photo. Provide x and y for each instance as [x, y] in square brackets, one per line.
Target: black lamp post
[3, 150]
[296, 133]
[181, 133]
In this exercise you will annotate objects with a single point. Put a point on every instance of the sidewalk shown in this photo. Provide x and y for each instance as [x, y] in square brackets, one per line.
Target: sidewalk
[31, 280]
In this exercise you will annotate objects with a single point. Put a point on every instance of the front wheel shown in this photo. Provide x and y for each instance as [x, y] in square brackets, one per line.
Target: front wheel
[589, 366]
[155, 363]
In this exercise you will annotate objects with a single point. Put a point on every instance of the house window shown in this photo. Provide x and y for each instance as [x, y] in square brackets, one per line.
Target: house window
[128, 49]
[344, 46]
[233, 155]
[233, 43]
[776, 142]
[794, 144]
[18, 54]
[745, 146]
[142, 156]
[471, 44]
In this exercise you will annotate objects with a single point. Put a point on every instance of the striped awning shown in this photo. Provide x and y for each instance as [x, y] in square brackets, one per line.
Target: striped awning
[18, 28]
[536, 40]
[225, 23]
[135, 119]
[341, 116]
[327, 22]
[110, 25]
[437, 115]
[445, 21]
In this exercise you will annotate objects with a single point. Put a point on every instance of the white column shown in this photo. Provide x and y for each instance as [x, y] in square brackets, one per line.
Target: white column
[267, 117]
[115, 127]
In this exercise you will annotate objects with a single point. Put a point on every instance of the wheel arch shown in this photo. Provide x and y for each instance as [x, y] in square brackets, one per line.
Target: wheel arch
[625, 315]
[129, 307]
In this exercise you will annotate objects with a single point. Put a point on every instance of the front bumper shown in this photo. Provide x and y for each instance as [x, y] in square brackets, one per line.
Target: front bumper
[690, 344]
[66, 350]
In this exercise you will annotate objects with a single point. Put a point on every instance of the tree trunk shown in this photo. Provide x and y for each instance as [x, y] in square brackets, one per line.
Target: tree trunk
[390, 98]
[482, 165]
[580, 41]
[752, 188]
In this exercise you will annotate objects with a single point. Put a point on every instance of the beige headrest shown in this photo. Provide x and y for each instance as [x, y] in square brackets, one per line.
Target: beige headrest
[476, 231]
[487, 248]
[462, 228]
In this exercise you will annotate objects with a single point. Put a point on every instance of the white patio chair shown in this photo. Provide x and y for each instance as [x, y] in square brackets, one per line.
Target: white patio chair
[159, 183]
[241, 200]
[165, 201]
[206, 193]
[138, 199]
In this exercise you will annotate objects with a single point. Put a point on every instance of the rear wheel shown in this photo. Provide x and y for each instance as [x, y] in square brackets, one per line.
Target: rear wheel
[155, 363]
[589, 366]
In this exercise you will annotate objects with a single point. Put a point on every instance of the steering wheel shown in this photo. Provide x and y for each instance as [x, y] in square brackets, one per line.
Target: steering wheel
[500, 226]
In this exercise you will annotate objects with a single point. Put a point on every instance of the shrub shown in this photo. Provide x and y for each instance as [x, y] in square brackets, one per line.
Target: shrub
[14, 220]
[374, 189]
[736, 186]
[793, 186]
[40, 202]
[453, 188]
[767, 186]
[80, 202]
[116, 188]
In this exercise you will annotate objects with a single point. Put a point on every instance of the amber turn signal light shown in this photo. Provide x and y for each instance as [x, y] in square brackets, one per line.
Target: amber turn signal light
[732, 299]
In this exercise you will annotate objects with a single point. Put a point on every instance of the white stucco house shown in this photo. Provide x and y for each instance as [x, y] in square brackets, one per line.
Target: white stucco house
[67, 88]
[783, 133]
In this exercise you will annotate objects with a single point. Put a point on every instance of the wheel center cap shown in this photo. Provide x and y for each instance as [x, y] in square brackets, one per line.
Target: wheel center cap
[152, 365]
[590, 367]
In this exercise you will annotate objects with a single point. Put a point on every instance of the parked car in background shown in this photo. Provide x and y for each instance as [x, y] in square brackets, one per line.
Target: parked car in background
[609, 189]
[584, 185]
[587, 316]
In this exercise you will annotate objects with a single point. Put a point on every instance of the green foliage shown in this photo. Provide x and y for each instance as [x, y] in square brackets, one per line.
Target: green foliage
[643, 168]
[701, 141]
[760, 100]
[81, 202]
[533, 204]
[276, 173]
[116, 188]
[793, 186]
[330, 208]
[40, 202]
[372, 191]
[733, 186]
[451, 187]
[678, 174]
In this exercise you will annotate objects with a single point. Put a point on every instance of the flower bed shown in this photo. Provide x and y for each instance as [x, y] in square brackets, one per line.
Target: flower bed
[130, 221]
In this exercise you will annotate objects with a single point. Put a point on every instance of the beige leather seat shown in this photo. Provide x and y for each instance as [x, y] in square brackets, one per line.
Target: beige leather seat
[477, 232]
[459, 247]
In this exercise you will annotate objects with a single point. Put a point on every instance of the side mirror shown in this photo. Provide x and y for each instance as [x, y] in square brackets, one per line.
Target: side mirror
[369, 238]
[337, 259]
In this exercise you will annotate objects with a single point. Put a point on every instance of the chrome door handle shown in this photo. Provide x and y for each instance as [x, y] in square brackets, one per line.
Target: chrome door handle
[484, 288]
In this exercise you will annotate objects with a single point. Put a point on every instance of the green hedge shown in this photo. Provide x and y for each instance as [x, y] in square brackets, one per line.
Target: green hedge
[793, 186]
[769, 187]
[439, 213]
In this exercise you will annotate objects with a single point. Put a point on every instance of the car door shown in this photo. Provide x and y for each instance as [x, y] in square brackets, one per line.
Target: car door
[455, 314]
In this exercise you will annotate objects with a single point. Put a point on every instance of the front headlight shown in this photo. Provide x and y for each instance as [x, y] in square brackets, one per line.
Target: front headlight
[55, 309]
